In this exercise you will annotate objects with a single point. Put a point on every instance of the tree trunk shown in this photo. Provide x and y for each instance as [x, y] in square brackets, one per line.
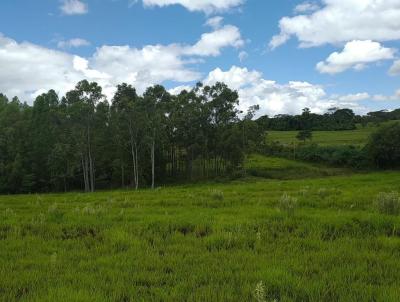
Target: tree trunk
[152, 162]
[137, 168]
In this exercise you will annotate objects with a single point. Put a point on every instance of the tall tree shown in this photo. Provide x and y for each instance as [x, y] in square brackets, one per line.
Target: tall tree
[82, 103]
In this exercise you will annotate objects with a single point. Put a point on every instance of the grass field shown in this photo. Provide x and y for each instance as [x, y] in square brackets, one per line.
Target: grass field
[356, 137]
[281, 168]
[240, 241]
[325, 138]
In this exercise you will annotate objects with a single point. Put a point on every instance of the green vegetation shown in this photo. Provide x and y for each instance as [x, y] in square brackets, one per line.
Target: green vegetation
[281, 168]
[356, 137]
[261, 240]
[326, 138]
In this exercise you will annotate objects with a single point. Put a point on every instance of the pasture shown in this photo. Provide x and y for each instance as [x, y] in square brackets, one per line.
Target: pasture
[357, 137]
[316, 239]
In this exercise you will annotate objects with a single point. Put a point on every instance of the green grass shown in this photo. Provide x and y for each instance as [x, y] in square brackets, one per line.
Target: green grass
[209, 242]
[324, 138]
[357, 137]
[281, 168]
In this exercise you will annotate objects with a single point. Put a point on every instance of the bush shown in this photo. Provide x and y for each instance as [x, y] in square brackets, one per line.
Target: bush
[384, 146]
[388, 203]
[288, 204]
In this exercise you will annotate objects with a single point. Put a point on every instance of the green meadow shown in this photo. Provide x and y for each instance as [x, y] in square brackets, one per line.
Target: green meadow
[357, 137]
[319, 238]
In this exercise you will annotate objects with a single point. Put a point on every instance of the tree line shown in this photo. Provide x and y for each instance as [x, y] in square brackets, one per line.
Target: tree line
[83, 142]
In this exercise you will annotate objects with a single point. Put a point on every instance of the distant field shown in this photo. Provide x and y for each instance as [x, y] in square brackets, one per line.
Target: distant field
[351, 137]
[209, 242]
[356, 137]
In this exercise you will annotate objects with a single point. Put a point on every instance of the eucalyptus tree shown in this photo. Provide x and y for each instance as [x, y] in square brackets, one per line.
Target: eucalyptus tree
[44, 132]
[81, 106]
[155, 102]
[129, 118]
[222, 103]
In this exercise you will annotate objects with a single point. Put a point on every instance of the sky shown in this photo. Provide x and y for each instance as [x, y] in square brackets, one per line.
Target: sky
[283, 55]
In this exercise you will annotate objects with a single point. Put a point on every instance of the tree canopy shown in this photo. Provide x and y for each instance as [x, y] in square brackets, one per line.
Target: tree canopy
[82, 141]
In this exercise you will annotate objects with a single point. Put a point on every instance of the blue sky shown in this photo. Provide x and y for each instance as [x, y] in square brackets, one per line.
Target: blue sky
[281, 54]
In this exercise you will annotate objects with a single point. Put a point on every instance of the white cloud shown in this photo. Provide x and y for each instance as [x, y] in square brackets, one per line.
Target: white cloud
[306, 7]
[215, 22]
[212, 43]
[354, 97]
[275, 98]
[384, 98]
[74, 7]
[178, 89]
[207, 6]
[243, 55]
[73, 43]
[395, 69]
[28, 69]
[355, 55]
[340, 21]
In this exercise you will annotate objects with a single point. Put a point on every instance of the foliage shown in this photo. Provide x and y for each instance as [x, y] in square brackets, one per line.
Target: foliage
[384, 146]
[304, 135]
[334, 119]
[337, 156]
[84, 142]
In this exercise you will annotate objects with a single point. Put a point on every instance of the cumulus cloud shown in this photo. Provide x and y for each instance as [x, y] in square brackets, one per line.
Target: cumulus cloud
[207, 6]
[339, 21]
[73, 43]
[212, 43]
[395, 69]
[355, 55]
[74, 7]
[28, 69]
[275, 98]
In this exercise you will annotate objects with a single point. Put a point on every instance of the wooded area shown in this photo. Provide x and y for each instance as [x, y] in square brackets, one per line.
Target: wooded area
[84, 142]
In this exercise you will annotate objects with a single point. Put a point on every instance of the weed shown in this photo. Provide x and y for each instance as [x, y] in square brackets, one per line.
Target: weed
[259, 292]
[287, 204]
[217, 195]
[388, 203]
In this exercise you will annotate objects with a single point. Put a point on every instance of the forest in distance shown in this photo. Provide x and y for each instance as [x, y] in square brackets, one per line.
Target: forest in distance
[82, 141]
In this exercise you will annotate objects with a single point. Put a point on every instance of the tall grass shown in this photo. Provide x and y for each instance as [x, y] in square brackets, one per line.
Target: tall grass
[205, 242]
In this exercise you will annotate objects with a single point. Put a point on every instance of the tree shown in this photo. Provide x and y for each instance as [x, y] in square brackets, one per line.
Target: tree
[384, 146]
[154, 100]
[81, 105]
[129, 118]
[304, 135]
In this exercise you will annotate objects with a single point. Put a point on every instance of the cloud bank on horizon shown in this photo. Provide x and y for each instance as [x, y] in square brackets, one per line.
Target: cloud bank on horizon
[352, 36]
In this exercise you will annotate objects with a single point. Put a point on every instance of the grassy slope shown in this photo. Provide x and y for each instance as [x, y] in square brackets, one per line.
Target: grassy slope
[203, 243]
[281, 168]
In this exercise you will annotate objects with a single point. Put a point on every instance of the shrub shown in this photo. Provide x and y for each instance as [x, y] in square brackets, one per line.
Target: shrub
[288, 204]
[388, 203]
[384, 146]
